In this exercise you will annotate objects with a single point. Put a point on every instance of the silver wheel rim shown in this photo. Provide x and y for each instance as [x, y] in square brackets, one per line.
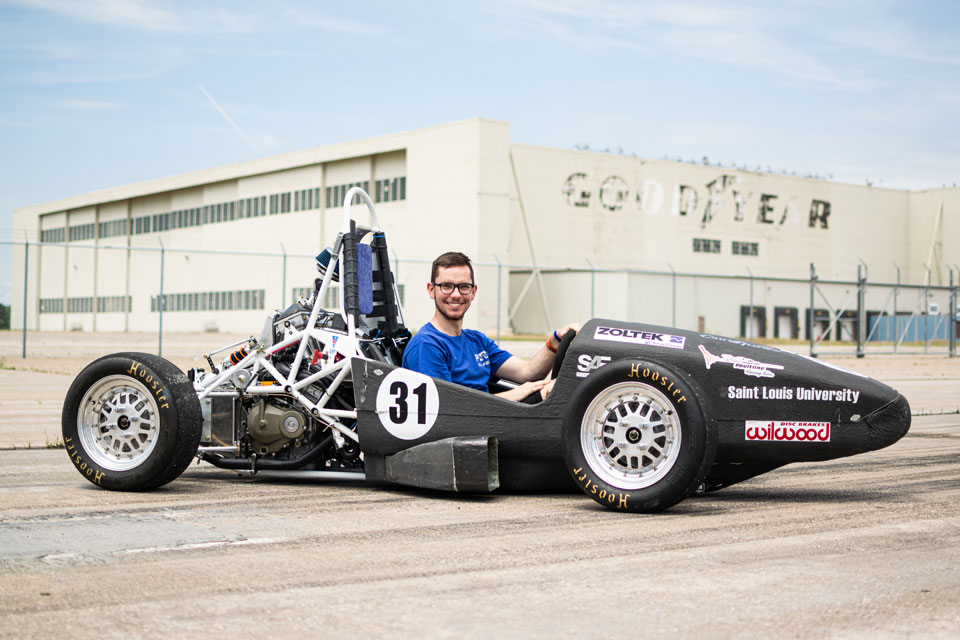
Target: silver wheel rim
[630, 434]
[118, 423]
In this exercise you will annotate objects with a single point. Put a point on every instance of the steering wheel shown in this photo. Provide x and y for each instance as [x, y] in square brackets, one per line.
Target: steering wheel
[565, 341]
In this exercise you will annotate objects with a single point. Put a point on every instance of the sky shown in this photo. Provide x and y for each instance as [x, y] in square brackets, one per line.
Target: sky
[101, 93]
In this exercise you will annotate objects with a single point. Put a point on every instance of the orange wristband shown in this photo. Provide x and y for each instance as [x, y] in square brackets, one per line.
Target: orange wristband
[550, 346]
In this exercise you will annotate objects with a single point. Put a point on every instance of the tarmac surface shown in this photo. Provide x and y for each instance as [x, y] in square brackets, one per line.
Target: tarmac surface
[867, 546]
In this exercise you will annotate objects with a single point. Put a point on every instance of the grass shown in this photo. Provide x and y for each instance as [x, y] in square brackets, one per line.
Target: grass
[57, 443]
[11, 367]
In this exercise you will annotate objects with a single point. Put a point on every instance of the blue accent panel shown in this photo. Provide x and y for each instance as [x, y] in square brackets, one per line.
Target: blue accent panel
[365, 277]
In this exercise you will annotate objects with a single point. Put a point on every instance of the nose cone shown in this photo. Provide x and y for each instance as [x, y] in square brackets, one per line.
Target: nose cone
[884, 426]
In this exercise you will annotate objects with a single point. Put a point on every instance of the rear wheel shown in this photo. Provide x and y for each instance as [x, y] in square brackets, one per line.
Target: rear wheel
[635, 438]
[131, 421]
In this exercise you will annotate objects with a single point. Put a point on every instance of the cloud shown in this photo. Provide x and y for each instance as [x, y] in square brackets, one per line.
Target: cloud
[37, 52]
[817, 42]
[897, 41]
[88, 105]
[127, 13]
[110, 67]
[912, 169]
[190, 17]
[943, 92]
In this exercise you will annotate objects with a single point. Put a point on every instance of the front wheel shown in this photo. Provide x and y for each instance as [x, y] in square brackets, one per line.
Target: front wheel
[635, 438]
[131, 422]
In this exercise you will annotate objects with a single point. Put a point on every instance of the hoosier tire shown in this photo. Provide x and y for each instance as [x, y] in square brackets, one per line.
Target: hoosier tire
[635, 438]
[131, 422]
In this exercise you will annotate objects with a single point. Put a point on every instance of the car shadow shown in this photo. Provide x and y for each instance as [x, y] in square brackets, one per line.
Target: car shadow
[795, 495]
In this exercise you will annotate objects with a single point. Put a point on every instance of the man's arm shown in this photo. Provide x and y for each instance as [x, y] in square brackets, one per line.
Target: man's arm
[520, 370]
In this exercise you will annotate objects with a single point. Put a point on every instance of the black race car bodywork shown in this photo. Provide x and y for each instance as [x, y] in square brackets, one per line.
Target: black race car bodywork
[640, 416]
[745, 409]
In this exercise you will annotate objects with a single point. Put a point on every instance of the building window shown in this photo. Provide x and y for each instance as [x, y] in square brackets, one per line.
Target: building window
[387, 190]
[745, 248]
[390, 189]
[301, 292]
[80, 305]
[82, 232]
[53, 235]
[113, 228]
[51, 305]
[113, 304]
[706, 245]
[240, 300]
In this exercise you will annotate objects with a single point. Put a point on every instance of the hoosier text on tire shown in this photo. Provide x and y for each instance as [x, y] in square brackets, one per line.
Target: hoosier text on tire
[635, 438]
[131, 421]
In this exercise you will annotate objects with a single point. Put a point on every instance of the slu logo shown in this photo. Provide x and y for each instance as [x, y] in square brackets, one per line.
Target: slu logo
[483, 360]
[587, 363]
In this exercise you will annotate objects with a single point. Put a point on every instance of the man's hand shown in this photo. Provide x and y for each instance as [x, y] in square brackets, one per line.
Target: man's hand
[573, 326]
[524, 390]
[517, 369]
[547, 389]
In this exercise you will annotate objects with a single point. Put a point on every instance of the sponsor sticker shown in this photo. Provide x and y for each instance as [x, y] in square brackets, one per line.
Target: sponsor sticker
[749, 366]
[634, 336]
[806, 394]
[783, 431]
[587, 363]
[741, 343]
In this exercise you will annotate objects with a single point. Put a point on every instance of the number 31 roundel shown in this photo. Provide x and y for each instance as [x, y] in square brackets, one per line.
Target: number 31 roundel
[407, 403]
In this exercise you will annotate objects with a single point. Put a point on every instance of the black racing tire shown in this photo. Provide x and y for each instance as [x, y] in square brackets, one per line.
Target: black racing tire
[635, 438]
[131, 422]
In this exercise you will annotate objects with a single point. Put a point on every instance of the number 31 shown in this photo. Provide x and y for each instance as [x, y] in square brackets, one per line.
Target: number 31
[399, 411]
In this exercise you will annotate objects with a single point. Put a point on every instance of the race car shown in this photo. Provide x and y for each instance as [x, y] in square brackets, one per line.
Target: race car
[641, 416]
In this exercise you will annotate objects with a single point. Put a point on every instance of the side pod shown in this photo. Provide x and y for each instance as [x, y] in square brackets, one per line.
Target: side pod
[453, 464]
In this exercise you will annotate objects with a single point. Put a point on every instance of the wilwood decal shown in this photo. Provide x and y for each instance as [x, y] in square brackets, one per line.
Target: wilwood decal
[780, 431]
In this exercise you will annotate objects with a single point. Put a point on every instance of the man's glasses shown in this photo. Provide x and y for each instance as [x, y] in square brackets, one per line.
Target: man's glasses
[447, 288]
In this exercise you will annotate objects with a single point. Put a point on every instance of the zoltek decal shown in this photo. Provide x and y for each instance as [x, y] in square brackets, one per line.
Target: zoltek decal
[587, 363]
[634, 336]
[749, 366]
[782, 431]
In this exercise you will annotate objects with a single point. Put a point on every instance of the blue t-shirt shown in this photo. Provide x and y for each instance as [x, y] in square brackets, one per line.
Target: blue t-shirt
[468, 359]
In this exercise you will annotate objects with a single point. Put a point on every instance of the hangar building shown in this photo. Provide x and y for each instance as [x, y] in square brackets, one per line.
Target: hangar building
[556, 234]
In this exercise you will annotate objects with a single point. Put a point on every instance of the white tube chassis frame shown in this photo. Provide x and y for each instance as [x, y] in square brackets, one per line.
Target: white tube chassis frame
[260, 356]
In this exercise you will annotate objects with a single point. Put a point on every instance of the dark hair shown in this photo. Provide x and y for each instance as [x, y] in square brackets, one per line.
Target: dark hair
[451, 259]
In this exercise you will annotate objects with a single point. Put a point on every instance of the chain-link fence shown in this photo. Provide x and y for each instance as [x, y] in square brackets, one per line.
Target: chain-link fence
[832, 316]
[103, 287]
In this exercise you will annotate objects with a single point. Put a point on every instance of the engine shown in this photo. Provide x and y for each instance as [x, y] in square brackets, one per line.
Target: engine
[273, 430]
[275, 424]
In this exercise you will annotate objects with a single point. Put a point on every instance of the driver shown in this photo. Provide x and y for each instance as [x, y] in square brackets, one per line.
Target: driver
[443, 349]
